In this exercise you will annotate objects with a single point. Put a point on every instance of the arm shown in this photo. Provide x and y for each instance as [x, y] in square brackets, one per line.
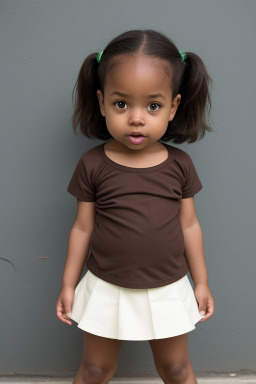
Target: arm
[79, 242]
[78, 247]
[194, 253]
[193, 238]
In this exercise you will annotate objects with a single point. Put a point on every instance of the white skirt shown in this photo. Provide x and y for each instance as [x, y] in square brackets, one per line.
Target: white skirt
[108, 310]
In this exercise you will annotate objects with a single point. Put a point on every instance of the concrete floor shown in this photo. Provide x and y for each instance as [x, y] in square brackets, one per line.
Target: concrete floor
[218, 379]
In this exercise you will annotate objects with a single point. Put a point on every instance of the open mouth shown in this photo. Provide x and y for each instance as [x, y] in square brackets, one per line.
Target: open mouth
[136, 134]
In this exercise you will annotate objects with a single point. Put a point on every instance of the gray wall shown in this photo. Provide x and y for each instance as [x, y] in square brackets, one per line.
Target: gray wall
[43, 44]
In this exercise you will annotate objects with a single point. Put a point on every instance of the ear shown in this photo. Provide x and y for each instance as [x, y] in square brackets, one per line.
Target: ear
[174, 107]
[101, 102]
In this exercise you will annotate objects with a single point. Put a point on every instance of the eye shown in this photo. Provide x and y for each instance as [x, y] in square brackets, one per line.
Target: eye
[154, 107]
[120, 105]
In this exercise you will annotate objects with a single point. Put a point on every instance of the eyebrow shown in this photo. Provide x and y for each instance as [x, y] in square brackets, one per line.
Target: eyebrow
[154, 96]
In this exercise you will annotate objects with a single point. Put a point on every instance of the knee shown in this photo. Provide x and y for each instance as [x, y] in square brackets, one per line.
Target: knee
[96, 374]
[175, 372]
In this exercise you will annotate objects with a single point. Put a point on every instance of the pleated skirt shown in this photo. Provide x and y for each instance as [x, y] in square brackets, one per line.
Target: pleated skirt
[108, 310]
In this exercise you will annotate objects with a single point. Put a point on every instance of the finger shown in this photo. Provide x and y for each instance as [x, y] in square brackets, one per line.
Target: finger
[62, 316]
[59, 309]
[60, 313]
[209, 311]
[67, 320]
[206, 317]
[202, 307]
[67, 310]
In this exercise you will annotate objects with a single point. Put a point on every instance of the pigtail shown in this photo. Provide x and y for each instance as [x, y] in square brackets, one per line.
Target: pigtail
[87, 113]
[190, 121]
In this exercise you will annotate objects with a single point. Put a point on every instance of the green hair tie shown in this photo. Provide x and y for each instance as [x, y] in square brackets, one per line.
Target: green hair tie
[99, 56]
[183, 56]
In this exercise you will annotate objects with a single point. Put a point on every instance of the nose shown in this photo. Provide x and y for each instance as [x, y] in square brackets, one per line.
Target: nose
[136, 117]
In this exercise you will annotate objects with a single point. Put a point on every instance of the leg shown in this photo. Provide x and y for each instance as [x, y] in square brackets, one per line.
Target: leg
[99, 361]
[172, 360]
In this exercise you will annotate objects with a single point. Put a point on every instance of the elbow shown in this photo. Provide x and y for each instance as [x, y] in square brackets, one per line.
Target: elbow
[85, 230]
[190, 224]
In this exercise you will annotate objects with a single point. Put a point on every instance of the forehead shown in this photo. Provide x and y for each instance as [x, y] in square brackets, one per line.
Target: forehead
[139, 74]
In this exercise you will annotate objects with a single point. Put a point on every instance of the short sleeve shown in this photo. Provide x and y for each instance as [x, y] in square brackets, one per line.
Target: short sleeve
[81, 185]
[192, 183]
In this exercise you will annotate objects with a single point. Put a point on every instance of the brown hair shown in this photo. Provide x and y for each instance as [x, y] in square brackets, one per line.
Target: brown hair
[190, 79]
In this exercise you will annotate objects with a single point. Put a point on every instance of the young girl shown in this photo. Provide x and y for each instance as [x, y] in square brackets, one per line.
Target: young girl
[135, 207]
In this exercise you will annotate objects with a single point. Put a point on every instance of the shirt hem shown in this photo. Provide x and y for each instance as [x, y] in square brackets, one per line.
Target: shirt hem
[196, 189]
[137, 285]
[79, 196]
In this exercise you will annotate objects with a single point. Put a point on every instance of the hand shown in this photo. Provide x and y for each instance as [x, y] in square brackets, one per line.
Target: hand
[204, 299]
[64, 304]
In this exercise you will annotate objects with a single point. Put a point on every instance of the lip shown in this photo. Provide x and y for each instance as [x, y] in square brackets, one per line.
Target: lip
[135, 133]
[136, 139]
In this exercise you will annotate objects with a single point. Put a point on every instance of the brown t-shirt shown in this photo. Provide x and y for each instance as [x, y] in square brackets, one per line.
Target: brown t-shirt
[137, 240]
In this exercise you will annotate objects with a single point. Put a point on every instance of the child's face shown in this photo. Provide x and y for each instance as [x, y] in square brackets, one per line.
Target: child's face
[138, 97]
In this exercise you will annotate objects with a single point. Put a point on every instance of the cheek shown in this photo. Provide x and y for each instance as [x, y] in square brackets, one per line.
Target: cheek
[168, 114]
[114, 118]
